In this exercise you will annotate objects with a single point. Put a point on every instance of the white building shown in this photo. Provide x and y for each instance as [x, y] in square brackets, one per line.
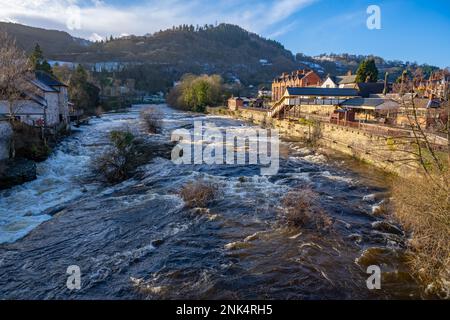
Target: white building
[264, 92]
[347, 81]
[48, 106]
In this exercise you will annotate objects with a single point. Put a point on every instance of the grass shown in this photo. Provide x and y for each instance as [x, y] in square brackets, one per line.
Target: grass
[422, 206]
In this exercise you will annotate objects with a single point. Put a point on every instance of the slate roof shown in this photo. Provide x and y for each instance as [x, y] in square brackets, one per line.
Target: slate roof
[41, 85]
[376, 103]
[345, 79]
[368, 88]
[322, 92]
[48, 79]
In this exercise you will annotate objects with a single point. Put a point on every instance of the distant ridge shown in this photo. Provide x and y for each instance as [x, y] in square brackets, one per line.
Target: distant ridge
[229, 50]
[53, 41]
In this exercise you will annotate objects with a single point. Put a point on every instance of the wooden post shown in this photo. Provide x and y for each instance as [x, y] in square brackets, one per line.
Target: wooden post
[385, 83]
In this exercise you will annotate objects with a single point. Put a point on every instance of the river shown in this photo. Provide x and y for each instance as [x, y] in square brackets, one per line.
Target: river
[137, 240]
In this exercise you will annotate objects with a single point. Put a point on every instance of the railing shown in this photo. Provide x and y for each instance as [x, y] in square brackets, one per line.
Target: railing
[276, 108]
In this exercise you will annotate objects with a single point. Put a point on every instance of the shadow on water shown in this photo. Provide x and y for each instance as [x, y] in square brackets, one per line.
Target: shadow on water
[137, 240]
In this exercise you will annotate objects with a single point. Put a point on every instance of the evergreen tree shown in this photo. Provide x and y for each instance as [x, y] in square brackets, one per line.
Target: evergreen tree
[84, 94]
[38, 62]
[367, 71]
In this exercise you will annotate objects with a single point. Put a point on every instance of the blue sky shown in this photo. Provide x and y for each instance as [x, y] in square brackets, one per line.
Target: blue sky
[413, 30]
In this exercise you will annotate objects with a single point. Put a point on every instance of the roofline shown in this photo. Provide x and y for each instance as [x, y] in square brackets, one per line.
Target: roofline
[334, 93]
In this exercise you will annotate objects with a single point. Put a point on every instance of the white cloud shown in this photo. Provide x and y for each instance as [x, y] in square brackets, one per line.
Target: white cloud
[282, 30]
[100, 18]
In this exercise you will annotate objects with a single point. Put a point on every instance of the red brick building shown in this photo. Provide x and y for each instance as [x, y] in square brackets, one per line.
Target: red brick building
[299, 78]
[235, 103]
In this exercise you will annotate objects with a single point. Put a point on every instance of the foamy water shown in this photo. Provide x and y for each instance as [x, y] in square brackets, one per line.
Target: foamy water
[137, 239]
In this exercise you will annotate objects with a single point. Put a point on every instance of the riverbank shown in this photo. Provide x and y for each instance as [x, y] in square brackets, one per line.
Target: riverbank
[383, 152]
[30, 148]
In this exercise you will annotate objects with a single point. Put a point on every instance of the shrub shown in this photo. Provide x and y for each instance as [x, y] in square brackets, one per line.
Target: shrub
[152, 119]
[300, 208]
[39, 152]
[198, 193]
[116, 163]
[423, 208]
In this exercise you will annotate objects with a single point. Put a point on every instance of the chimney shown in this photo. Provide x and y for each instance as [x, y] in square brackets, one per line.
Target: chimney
[349, 72]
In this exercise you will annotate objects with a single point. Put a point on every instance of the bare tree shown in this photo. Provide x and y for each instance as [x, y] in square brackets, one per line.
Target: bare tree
[15, 74]
[422, 202]
[447, 105]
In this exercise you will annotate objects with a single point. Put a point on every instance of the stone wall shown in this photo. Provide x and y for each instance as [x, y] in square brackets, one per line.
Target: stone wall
[5, 139]
[383, 152]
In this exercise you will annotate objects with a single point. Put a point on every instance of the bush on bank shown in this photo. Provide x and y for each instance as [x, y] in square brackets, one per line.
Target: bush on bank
[195, 93]
[422, 206]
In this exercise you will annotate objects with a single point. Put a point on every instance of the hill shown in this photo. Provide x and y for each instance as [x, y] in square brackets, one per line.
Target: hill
[54, 42]
[156, 60]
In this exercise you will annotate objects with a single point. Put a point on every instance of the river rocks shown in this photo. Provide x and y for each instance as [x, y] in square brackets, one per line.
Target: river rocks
[386, 227]
[55, 210]
[357, 238]
[377, 256]
[16, 171]
[157, 242]
[379, 196]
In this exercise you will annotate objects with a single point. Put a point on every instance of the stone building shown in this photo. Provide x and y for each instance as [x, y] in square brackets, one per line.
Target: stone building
[47, 106]
[299, 78]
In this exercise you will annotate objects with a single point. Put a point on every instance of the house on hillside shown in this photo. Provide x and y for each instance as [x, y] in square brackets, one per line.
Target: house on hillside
[299, 78]
[347, 81]
[47, 106]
